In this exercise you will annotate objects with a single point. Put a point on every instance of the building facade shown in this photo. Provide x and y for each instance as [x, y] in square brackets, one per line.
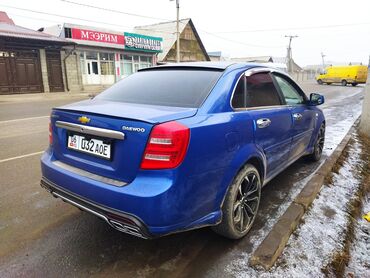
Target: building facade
[191, 46]
[30, 61]
[101, 57]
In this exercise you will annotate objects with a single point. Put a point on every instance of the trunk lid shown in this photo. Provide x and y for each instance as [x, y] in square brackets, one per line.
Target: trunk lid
[135, 121]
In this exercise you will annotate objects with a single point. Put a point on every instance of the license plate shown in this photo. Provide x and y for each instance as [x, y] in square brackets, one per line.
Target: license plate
[91, 146]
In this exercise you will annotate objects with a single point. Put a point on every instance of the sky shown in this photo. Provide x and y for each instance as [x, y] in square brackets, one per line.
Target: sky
[239, 28]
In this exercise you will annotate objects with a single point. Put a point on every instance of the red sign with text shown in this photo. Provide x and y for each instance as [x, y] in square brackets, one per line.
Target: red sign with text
[96, 36]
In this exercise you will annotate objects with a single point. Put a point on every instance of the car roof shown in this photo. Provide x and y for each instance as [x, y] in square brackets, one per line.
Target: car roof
[221, 66]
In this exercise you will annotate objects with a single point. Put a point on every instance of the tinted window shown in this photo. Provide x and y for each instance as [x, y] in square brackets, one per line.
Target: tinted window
[172, 87]
[290, 94]
[261, 91]
[239, 94]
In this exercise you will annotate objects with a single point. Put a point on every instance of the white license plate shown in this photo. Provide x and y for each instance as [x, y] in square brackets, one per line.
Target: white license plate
[89, 145]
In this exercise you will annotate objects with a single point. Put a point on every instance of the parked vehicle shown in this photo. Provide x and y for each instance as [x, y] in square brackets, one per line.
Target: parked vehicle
[183, 146]
[353, 74]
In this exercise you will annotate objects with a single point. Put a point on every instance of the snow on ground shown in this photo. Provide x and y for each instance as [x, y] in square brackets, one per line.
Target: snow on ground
[335, 132]
[310, 248]
[359, 263]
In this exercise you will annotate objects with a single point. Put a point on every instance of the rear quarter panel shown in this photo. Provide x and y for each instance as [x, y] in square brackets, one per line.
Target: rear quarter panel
[220, 145]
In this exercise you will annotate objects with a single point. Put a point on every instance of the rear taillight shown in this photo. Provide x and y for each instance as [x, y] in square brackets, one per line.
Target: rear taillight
[166, 147]
[50, 134]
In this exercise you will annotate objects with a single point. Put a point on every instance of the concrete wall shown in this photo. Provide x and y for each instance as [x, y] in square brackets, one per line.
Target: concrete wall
[73, 69]
[303, 76]
[365, 117]
[44, 71]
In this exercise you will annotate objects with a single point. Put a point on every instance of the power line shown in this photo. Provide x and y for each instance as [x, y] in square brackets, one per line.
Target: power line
[132, 14]
[112, 11]
[130, 27]
[294, 28]
[64, 16]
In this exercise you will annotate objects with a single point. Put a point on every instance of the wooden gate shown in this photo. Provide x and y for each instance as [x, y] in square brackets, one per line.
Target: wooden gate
[55, 74]
[20, 72]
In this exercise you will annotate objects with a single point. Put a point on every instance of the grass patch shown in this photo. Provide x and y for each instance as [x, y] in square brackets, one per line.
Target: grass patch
[340, 259]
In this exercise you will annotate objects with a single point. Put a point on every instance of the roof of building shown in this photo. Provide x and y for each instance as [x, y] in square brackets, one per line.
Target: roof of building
[10, 30]
[167, 31]
[5, 18]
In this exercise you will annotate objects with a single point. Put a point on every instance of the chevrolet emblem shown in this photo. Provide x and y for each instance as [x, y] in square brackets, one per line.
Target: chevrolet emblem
[83, 120]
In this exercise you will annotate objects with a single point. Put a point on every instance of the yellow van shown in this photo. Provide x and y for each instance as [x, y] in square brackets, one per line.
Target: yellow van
[356, 74]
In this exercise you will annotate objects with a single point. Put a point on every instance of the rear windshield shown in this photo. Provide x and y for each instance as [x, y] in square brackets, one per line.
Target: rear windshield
[172, 87]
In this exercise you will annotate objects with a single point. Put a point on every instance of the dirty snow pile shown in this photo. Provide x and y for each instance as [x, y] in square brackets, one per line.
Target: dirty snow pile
[321, 233]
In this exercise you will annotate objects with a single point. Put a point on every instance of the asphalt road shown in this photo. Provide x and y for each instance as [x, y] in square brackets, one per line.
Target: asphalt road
[44, 237]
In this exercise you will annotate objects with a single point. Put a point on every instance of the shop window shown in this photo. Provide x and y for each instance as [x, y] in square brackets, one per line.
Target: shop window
[132, 63]
[126, 64]
[91, 55]
[107, 68]
[82, 63]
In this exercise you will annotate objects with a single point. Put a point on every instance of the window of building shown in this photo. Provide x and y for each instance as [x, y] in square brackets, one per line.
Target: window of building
[68, 33]
[106, 63]
[132, 63]
[91, 55]
[83, 63]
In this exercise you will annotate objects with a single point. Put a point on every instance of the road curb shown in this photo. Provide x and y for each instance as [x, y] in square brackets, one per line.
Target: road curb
[273, 245]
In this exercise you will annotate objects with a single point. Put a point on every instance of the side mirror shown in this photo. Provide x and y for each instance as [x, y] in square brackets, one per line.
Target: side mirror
[316, 99]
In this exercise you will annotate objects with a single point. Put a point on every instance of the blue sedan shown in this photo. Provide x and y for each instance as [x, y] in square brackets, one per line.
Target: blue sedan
[182, 146]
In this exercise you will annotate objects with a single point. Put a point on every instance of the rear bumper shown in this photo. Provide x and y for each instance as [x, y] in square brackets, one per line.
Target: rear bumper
[154, 204]
[120, 221]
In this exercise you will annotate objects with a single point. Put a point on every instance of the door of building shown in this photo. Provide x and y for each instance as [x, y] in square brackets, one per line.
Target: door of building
[93, 76]
[20, 72]
[55, 74]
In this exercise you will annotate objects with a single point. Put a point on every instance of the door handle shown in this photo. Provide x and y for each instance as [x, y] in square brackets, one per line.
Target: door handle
[297, 116]
[262, 123]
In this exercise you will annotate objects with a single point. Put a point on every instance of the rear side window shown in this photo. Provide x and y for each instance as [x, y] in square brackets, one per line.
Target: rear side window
[239, 99]
[166, 87]
[261, 91]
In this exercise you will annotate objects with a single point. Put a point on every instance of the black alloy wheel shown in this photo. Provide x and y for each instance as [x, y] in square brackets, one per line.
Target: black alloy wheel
[241, 204]
[319, 145]
[246, 203]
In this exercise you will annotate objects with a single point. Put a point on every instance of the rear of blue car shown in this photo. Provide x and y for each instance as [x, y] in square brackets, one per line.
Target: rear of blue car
[179, 147]
[127, 161]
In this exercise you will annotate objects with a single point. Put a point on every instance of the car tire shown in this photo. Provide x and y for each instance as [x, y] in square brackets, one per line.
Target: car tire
[344, 83]
[354, 84]
[319, 81]
[241, 204]
[319, 145]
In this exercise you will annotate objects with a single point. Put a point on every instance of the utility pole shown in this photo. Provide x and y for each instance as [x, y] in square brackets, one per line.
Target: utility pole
[177, 31]
[365, 116]
[289, 53]
[323, 61]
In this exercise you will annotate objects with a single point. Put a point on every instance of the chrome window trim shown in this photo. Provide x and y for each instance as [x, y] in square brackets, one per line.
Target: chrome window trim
[102, 132]
[87, 174]
[250, 72]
